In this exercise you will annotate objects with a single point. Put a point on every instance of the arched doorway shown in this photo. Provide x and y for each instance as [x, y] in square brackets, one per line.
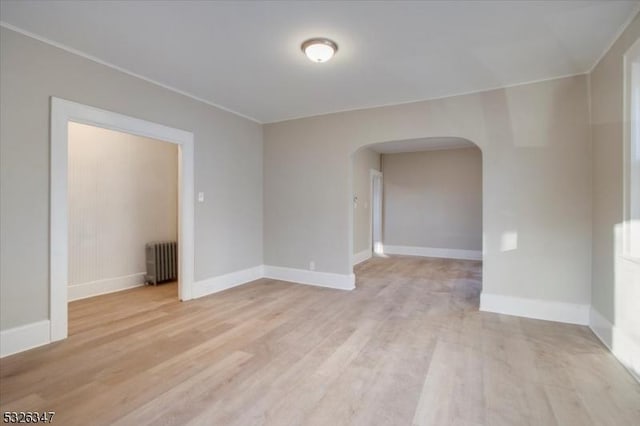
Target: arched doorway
[429, 201]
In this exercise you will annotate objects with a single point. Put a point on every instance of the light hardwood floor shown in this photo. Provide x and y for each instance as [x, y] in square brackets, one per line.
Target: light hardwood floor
[408, 346]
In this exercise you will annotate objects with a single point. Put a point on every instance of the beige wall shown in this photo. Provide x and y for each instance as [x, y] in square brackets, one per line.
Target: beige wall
[536, 183]
[433, 199]
[123, 193]
[364, 160]
[228, 167]
[616, 281]
[536, 177]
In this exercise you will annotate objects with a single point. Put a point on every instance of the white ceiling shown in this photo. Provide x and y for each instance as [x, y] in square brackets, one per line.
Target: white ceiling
[245, 56]
[421, 144]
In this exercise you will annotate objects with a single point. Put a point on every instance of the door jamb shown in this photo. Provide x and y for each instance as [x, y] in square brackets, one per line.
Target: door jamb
[62, 112]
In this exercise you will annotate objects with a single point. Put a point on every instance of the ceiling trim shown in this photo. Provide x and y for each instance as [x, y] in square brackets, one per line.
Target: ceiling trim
[116, 67]
[199, 99]
[615, 38]
[453, 95]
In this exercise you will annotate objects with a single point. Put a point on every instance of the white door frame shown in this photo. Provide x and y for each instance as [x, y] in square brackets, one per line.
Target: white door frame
[62, 112]
[376, 212]
[630, 224]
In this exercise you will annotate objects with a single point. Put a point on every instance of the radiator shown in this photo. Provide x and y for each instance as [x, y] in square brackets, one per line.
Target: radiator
[162, 262]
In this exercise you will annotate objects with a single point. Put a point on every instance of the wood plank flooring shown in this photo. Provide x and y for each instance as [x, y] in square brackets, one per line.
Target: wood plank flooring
[407, 347]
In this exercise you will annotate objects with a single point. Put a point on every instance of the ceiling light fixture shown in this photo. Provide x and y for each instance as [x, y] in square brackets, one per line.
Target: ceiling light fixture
[319, 49]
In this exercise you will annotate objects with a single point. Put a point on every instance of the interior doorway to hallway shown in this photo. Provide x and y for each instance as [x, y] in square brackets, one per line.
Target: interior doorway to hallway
[376, 212]
[63, 113]
[419, 197]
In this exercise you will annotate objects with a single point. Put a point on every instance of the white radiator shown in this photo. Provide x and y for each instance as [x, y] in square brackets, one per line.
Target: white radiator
[162, 262]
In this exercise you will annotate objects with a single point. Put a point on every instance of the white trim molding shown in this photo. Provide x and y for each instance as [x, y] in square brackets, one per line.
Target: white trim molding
[549, 310]
[434, 252]
[118, 68]
[298, 276]
[362, 256]
[105, 286]
[24, 337]
[62, 112]
[29, 336]
[320, 279]
[227, 281]
[376, 201]
[631, 150]
[621, 345]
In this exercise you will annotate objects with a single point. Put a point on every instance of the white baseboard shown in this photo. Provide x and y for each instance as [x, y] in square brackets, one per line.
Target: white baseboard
[362, 256]
[109, 285]
[29, 336]
[534, 308]
[621, 345]
[25, 337]
[434, 252]
[227, 281]
[321, 279]
[300, 276]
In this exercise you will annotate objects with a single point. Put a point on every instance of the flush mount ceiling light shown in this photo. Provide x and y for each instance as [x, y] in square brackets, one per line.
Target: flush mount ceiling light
[319, 49]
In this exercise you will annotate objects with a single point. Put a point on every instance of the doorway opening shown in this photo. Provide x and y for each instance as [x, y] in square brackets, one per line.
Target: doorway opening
[376, 212]
[123, 224]
[66, 115]
[425, 199]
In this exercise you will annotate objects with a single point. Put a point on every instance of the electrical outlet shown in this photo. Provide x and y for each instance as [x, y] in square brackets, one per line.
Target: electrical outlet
[312, 266]
[200, 197]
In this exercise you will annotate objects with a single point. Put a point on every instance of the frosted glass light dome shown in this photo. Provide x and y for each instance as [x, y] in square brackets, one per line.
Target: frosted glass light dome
[319, 49]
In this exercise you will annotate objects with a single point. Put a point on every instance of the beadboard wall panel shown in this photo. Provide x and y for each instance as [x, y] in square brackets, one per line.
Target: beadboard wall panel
[123, 193]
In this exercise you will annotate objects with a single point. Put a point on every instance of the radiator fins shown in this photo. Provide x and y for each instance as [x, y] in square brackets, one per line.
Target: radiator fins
[162, 262]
